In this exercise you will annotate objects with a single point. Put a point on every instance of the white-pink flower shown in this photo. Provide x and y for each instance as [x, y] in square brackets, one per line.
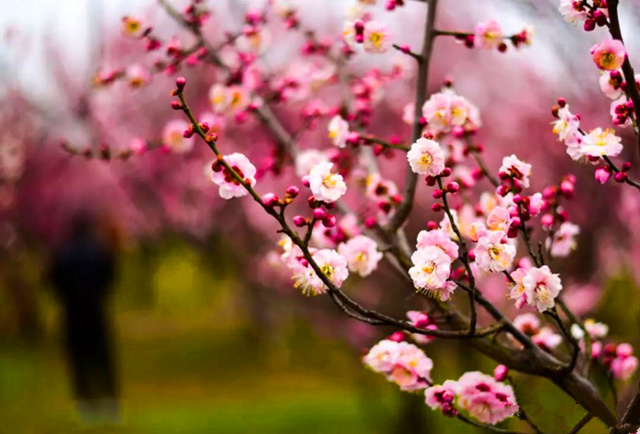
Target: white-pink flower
[307, 160]
[541, 287]
[484, 398]
[438, 238]
[228, 185]
[332, 264]
[431, 269]
[517, 291]
[445, 110]
[488, 35]
[442, 397]
[494, 252]
[377, 37]
[599, 143]
[338, 131]
[573, 10]
[567, 125]
[402, 363]
[563, 241]
[609, 54]
[517, 169]
[378, 188]
[499, 219]
[138, 76]
[173, 136]
[609, 86]
[527, 323]
[546, 338]
[382, 356]
[362, 254]
[421, 320]
[624, 364]
[325, 185]
[426, 157]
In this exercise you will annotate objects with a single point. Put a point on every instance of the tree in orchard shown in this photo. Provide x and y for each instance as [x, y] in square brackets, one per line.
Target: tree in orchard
[341, 217]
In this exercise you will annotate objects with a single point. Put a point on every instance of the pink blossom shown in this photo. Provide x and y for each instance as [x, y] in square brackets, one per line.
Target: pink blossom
[486, 399]
[517, 169]
[573, 10]
[307, 160]
[609, 55]
[421, 320]
[563, 241]
[623, 367]
[541, 287]
[426, 157]
[132, 27]
[440, 239]
[527, 323]
[377, 37]
[517, 291]
[378, 188]
[338, 131]
[442, 397]
[600, 143]
[361, 254]
[445, 110]
[535, 204]
[138, 76]
[333, 266]
[610, 86]
[228, 185]
[494, 252]
[488, 35]
[499, 219]
[325, 185]
[547, 338]
[431, 268]
[382, 356]
[596, 330]
[602, 174]
[402, 363]
[567, 125]
[173, 136]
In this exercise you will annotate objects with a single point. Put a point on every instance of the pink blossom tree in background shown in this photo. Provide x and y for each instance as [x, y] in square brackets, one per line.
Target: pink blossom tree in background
[372, 181]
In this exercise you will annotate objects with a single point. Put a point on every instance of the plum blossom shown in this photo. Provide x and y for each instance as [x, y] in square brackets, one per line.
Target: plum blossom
[431, 269]
[484, 398]
[546, 338]
[138, 76]
[609, 54]
[541, 287]
[599, 143]
[326, 186]
[332, 264]
[527, 323]
[426, 157]
[445, 110]
[609, 85]
[378, 188]
[573, 10]
[228, 98]
[563, 241]
[228, 185]
[442, 397]
[401, 363]
[440, 239]
[307, 160]
[173, 136]
[132, 27]
[494, 252]
[499, 219]
[488, 35]
[517, 169]
[567, 124]
[517, 291]
[624, 364]
[338, 131]
[362, 254]
[421, 320]
[377, 37]
[596, 330]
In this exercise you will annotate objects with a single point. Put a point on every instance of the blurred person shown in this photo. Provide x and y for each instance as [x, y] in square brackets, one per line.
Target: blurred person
[82, 272]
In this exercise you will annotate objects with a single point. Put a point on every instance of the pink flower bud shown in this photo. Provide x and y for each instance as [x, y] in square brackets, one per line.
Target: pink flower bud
[292, 191]
[453, 187]
[567, 188]
[620, 177]
[501, 373]
[624, 350]
[305, 181]
[329, 221]
[370, 222]
[517, 199]
[437, 193]
[396, 337]
[626, 166]
[602, 174]
[181, 82]
[547, 220]
[437, 207]
[431, 225]
[176, 105]
[516, 222]
[319, 213]
[446, 172]
[589, 25]
[299, 221]
[270, 200]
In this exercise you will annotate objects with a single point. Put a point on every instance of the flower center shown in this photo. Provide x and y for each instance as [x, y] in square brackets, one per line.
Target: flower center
[608, 60]
[376, 38]
[426, 159]
[429, 268]
[494, 252]
[329, 181]
[327, 270]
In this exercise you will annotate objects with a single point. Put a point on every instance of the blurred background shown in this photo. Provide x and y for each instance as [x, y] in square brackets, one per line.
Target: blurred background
[202, 332]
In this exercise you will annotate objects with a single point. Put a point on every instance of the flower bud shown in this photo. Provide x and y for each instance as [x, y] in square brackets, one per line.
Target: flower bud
[270, 200]
[292, 191]
[620, 177]
[181, 82]
[299, 221]
[602, 174]
[329, 221]
[437, 207]
[370, 222]
[319, 213]
[500, 373]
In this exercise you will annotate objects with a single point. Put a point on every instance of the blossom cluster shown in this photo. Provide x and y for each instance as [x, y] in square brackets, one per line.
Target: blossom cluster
[401, 363]
[479, 395]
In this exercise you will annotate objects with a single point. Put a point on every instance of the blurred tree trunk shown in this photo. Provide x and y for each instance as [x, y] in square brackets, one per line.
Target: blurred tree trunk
[23, 297]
